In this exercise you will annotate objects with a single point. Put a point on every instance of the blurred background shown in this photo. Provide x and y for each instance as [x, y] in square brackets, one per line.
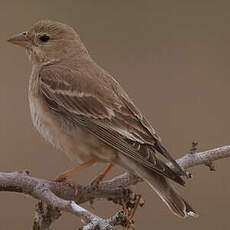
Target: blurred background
[172, 57]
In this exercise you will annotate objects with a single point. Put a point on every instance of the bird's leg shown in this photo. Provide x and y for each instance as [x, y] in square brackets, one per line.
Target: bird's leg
[96, 181]
[101, 176]
[62, 177]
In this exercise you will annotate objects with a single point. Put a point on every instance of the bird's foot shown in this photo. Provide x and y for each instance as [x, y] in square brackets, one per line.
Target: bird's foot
[96, 184]
[61, 179]
[96, 181]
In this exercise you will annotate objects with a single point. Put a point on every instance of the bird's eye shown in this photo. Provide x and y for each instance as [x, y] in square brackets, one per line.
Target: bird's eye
[44, 38]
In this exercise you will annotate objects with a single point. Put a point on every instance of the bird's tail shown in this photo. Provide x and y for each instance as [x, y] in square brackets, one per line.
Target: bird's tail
[163, 188]
[171, 197]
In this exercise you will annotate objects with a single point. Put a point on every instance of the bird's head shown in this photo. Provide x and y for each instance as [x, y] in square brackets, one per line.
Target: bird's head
[49, 41]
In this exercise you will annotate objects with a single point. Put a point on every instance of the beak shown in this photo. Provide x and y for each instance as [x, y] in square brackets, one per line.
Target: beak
[20, 40]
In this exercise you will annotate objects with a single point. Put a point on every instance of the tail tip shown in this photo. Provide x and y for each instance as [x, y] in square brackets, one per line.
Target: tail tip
[192, 214]
[189, 211]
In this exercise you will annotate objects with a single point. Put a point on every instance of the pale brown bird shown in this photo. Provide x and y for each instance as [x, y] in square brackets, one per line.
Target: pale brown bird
[82, 110]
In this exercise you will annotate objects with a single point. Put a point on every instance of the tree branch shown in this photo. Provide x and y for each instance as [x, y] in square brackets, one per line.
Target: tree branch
[64, 197]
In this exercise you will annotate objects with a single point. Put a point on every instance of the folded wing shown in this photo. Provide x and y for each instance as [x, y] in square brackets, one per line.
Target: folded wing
[99, 105]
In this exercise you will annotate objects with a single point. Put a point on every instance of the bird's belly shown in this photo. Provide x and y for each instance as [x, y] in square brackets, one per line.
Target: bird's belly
[76, 143]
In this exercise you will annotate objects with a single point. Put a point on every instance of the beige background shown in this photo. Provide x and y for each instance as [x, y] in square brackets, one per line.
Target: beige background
[173, 59]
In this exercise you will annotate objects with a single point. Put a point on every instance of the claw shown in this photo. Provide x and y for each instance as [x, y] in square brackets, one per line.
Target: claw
[68, 182]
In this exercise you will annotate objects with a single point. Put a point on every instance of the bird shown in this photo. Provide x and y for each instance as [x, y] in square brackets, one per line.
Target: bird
[84, 112]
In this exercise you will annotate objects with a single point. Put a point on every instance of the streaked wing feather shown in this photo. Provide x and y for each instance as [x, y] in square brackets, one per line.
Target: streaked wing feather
[146, 125]
[118, 142]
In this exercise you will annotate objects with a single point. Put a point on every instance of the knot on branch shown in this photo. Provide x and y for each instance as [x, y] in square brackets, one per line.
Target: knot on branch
[25, 172]
[194, 147]
[211, 165]
[107, 224]
[44, 215]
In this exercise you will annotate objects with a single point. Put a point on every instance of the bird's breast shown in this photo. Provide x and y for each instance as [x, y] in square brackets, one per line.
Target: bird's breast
[43, 122]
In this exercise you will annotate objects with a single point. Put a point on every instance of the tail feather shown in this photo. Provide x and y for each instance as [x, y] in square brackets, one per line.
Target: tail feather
[161, 186]
[175, 202]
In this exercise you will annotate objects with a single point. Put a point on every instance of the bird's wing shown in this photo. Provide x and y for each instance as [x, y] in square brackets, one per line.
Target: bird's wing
[98, 104]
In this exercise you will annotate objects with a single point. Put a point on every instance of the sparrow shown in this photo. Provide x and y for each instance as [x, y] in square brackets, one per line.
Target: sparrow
[83, 111]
